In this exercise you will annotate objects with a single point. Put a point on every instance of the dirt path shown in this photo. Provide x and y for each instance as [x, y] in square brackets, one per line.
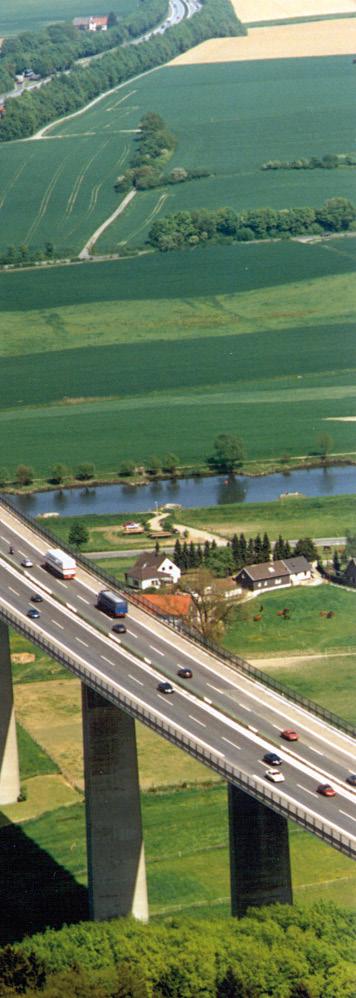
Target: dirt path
[86, 251]
[286, 661]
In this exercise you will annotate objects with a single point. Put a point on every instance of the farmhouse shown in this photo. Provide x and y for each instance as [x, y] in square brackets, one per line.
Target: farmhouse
[91, 23]
[350, 572]
[274, 574]
[151, 570]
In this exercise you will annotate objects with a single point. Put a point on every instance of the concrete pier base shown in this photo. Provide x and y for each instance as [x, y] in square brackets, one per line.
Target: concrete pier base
[259, 854]
[116, 862]
[9, 762]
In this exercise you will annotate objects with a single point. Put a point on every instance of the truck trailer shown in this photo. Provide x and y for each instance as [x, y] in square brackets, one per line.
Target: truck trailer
[114, 605]
[60, 563]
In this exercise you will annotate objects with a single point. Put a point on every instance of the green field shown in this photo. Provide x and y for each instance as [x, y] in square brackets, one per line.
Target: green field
[227, 118]
[272, 337]
[330, 516]
[30, 15]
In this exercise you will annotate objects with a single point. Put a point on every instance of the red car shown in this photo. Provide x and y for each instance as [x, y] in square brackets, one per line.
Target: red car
[326, 790]
[289, 735]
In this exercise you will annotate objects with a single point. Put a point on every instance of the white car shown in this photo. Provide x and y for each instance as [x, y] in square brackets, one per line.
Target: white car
[26, 563]
[274, 775]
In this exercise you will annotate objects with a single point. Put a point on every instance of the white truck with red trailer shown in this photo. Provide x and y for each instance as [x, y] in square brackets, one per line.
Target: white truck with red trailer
[60, 563]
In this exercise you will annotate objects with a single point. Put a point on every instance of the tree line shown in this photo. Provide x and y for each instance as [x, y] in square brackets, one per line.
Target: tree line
[330, 161]
[57, 47]
[190, 228]
[227, 559]
[153, 146]
[280, 951]
[67, 93]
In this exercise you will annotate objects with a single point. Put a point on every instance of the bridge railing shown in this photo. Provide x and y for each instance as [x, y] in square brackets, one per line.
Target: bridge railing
[235, 661]
[216, 761]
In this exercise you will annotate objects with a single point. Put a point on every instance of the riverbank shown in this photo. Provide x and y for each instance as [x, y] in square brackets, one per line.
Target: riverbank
[328, 518]
[251, 469]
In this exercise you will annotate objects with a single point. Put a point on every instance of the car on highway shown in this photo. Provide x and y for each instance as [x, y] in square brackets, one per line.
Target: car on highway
[26, 563]
[326, 790]
[165, 687]
[274, 775]
[184, 673]
[33, 613]
[37, 598]
[119, 629]
[272, 759]
[289, 735]
[351, 779]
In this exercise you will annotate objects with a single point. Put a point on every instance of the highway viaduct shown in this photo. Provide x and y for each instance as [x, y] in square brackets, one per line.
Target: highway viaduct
[227, 716]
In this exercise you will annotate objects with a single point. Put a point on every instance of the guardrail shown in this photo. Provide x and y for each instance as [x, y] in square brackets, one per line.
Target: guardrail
[264, 795]
[235, 661]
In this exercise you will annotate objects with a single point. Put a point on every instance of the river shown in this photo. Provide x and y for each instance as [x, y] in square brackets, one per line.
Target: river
[188, 492]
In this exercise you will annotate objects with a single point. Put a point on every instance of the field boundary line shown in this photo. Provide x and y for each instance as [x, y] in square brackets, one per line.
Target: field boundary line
[84, 253]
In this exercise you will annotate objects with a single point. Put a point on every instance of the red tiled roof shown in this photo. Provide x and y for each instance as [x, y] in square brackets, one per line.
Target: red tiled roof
[177, 605]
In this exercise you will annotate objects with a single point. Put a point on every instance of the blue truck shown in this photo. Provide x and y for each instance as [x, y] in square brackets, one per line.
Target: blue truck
[114, 605]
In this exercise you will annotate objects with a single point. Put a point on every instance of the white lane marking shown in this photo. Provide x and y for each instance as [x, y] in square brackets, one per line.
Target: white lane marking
[60, 583]
[81, 642]
[83, 599]
[158, 652]
[311, 749]
[243, 706]
[24, 555]
[347, 815]
[57, 624]
[265, 691]
[147, 660]
[228, 740]
[135, 679]
[250, 728]
[13, 591]
[276, 726]
[107, 660]
[216, 688]
[163, 698]
[311, 792]
[131, 633]
[196, 720]
[4, 538]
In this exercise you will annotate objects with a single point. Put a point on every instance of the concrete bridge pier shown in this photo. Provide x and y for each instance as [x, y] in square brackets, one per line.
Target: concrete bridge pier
[115, 849]
[259, 854]
[9, 762]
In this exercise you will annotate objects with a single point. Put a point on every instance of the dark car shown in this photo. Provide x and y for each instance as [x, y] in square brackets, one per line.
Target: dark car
[351, 779]
[165, 688]
[289, 735]
[119, 628]
[184, 673]
[272, 759]
[326, 790]
[37, 598]
[33, 613]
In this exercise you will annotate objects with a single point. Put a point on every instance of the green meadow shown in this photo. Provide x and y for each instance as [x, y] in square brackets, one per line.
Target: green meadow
[30, 15]
[227, 118]
[257, 340]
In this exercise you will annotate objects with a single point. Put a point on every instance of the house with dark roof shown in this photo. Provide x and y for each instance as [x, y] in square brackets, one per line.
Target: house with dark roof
[274, 574]
[350, 572]
[151, 570]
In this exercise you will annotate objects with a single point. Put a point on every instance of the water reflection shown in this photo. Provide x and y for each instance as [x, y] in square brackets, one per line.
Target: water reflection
[194, 491]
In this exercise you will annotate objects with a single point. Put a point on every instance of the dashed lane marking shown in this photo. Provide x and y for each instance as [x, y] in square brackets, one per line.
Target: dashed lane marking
[13, 591]
[311, 792]
[158, 652]
[107, 660]
[228, 740]
[196, 720]
[81, 642]
[57, 624]
[135, 679]
[347, 815]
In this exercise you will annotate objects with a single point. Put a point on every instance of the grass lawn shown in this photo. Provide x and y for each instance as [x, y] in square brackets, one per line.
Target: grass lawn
[29, 664]
[329, 681]
[33, 760]
[186, 867]
[329, 516]
[304, 631]
[105, 531]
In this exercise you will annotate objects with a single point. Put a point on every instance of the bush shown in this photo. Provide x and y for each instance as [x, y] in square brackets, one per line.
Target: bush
[24, 474]
[85, 472]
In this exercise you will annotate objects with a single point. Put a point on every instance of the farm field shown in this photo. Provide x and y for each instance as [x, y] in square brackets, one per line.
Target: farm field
[271, 10]
[30, 15]
[285, 41]
[88, 395]
[71, 171]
